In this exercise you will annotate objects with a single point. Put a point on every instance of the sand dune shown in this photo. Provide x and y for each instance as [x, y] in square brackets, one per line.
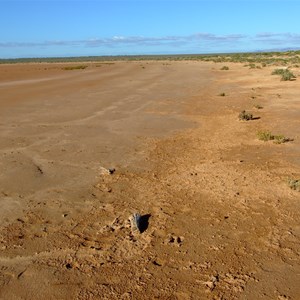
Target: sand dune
[222, 221]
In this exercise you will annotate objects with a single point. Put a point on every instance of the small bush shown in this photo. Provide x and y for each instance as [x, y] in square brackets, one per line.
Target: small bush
[222, 94]
[288, 75]
[268, 136]
[257, 106]
[294, 184]
[265, 136]
[244, 116]
[278, 72]
[280, 139]
[225, 68]
[285, 74]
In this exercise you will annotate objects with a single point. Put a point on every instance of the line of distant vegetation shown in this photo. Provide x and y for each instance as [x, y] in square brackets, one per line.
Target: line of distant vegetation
[70, 68]
[265, 58]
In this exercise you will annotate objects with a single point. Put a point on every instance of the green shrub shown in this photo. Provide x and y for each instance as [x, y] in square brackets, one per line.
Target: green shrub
[280, 139]
[288, 75]
[294, 184]
[278, 71]
[268, 136]
[285, 74]
[225, 68]
[265, 136]
[244, 116]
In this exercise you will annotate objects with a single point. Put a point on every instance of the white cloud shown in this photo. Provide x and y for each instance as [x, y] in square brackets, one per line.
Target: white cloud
[201, 41]
[118, 40]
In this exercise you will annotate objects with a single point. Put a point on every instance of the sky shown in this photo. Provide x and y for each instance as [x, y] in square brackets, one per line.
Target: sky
[53, 28]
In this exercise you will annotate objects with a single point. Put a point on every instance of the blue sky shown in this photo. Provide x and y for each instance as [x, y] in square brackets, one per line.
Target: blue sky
[78, 28]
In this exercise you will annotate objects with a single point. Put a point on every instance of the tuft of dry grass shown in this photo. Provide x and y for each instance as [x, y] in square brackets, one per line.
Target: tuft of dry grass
[265, 136]
[268, 136]
[226, 68]
[245, 116]
[285, 74]
[294, 184]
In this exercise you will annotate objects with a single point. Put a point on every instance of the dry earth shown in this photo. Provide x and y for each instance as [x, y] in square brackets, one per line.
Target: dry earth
[222, 220]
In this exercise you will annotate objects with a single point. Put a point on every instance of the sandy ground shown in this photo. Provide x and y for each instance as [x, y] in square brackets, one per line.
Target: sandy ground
[220, 219]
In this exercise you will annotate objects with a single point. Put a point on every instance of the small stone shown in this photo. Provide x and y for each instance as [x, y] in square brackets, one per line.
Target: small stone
[111, 170]
[135, 222]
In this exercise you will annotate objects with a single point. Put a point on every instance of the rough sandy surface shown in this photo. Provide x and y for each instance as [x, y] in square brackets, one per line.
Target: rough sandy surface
[222, 220]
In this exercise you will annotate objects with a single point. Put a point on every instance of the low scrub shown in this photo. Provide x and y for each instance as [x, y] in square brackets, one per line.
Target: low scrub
[222, 94]
[257, 106]
[278, 71]
[294, 184]
[285, 74]
[245, 116]
[225, 68]
[70, 68]
[268, 136]
[265, 136]
[280, 139]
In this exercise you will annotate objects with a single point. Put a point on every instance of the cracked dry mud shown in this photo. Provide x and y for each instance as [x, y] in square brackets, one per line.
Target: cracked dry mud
[223, 222]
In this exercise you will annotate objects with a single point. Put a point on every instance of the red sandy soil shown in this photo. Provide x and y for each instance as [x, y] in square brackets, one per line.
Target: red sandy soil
[223, 222]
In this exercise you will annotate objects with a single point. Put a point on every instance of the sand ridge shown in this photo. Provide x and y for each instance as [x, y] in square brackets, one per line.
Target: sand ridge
[223, 222]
